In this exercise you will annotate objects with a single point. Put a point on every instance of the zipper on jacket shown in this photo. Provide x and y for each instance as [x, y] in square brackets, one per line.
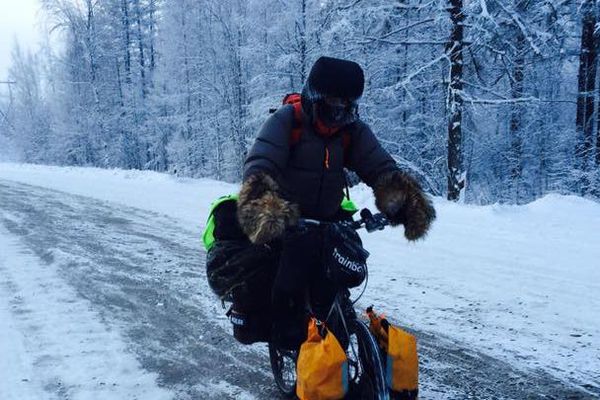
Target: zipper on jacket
[324, 166]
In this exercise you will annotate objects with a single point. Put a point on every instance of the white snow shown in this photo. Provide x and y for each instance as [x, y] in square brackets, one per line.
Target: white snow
[517, 282]
[185, 199]
[52, 344]
[520, 283]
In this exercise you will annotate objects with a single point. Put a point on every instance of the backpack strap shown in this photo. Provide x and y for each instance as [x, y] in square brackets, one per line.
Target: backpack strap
[295, 100]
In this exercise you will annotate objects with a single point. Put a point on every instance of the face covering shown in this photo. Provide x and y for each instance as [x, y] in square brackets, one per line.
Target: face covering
[335, 112]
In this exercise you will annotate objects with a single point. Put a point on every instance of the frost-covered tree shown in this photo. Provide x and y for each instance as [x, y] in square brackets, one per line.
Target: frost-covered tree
[30, 125]
[455, 101]
[473, 97]
[588, 64]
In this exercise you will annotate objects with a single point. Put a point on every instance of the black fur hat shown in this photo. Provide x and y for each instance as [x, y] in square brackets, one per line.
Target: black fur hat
[333, 77]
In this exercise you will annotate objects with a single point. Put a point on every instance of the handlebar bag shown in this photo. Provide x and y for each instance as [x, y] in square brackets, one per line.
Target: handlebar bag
[345, 258]
[322, 367]
[401, 363]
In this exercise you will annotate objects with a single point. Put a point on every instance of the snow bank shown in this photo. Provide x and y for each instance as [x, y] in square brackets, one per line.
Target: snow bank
[517, 282]
[185, 199]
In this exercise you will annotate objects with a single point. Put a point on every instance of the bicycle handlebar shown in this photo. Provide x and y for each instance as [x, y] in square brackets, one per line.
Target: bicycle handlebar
[367, 220]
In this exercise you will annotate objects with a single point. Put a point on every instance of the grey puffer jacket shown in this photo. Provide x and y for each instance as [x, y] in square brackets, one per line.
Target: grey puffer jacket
[311, 172]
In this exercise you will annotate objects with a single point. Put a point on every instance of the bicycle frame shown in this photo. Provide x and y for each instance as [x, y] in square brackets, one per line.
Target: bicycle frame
[368, 357]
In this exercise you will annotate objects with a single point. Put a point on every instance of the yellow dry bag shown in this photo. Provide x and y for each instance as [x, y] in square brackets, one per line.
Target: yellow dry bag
[322, 367]
[402, 362]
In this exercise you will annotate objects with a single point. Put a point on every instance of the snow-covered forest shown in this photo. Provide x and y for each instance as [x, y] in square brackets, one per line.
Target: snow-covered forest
[487, 100]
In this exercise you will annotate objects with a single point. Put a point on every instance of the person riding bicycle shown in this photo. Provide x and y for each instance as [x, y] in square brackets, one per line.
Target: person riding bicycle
[285, 180]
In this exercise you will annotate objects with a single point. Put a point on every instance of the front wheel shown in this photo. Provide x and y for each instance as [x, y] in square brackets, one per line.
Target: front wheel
[365, 368]
[283, 365]
[366, 378]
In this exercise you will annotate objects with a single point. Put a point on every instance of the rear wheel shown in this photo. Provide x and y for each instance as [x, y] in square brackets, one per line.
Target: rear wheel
[365, 369]
[283, 365]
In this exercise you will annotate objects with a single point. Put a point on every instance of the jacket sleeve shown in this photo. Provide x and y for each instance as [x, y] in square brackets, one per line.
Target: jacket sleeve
[367, 157]
[271, 149]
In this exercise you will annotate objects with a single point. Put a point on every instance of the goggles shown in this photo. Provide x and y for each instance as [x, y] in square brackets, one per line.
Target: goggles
[336, 112]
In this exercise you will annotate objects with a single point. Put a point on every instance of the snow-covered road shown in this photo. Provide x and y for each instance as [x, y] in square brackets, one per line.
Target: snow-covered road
[96, 286]
[54, 344]
[99, 299]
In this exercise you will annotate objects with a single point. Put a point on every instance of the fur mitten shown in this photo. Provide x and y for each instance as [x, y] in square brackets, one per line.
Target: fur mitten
[262, 213]
[400, 198]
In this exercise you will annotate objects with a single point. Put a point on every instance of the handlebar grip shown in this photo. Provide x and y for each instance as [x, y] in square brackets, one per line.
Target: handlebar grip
[369, 220]
[366, 214]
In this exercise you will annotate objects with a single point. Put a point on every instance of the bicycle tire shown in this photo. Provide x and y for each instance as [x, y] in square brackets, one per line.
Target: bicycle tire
[285, 384]
[369, 382]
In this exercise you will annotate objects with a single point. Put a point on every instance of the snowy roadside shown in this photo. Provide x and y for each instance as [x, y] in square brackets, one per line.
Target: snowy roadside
[517, 283]
[186, 199]
[52, 343]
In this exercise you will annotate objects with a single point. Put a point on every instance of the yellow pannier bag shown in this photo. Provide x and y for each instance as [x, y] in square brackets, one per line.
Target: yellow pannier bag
[402, 361]
[322, 367]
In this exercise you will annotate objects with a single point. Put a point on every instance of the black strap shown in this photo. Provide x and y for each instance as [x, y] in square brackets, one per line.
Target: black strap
[346, 186]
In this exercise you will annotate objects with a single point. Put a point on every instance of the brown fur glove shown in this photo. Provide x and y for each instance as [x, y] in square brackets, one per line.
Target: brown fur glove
[400, 198]
[262, 213]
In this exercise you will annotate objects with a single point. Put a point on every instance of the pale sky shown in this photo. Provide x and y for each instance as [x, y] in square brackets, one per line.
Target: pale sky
[18, 19]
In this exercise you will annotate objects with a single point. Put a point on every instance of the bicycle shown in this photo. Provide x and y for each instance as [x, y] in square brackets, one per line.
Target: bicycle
[365, 359]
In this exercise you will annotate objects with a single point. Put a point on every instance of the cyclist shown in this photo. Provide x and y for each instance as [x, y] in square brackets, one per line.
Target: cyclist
[285, 179]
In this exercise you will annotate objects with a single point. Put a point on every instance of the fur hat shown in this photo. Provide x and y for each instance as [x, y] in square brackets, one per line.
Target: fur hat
[401, 199]
[263, 215]
[332, 77]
